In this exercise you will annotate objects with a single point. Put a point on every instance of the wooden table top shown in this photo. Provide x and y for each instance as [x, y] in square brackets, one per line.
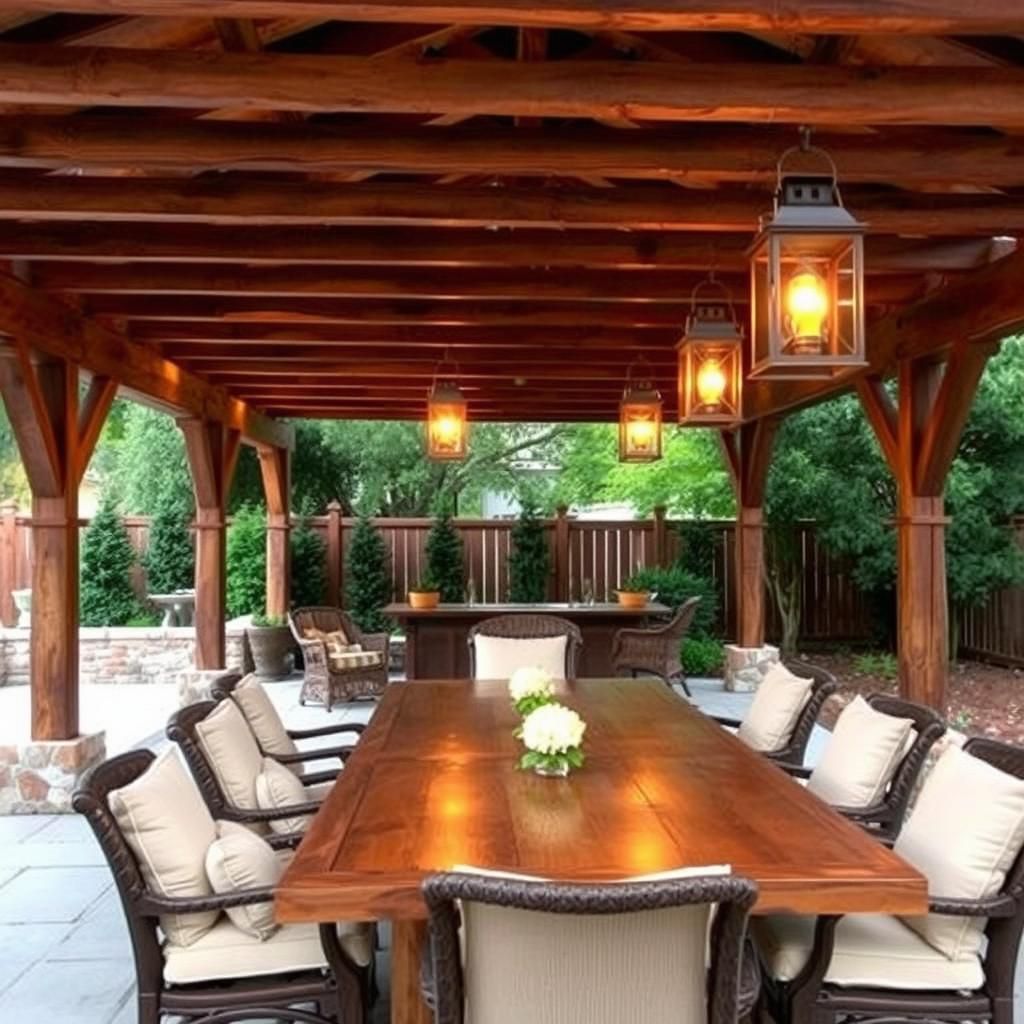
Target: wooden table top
[433, 783]
[400, 609]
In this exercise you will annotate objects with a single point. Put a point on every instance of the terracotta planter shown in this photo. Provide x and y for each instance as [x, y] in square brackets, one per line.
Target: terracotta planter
[271, 648]
[633, 598]
[424, 599]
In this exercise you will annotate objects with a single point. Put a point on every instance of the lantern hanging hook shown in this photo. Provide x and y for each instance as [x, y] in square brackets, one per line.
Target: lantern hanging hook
[806, 147]
[642, 364]
[446, 360]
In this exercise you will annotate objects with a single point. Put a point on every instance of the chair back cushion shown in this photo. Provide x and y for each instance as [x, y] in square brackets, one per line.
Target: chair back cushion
[861, 757]
[168, 828]
[498, 657]
[276, 789]
[964, 833]
[772, 717]
[232, 752]
[263, 718]
[237, 860]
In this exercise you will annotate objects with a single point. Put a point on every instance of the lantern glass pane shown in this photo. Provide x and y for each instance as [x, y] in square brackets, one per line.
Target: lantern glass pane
[709, 381]
[446, 429]
[640, 430]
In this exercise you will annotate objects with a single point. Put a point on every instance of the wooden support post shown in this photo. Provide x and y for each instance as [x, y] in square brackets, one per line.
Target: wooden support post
[335, 568]
[562, 581]
[747, 453]
[212, 451]
[919, 438]
[275, 467]
[55, 441]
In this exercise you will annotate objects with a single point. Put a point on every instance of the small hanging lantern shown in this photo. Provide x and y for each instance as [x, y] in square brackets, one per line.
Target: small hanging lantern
[807, 280]
[710, 361]
[639, 420]
[447, 424]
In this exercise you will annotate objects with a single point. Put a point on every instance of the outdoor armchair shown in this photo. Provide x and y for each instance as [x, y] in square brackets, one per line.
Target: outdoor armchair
[340, 661]
[274, 739]
[223, 970]
[500, 645]
[656, 650]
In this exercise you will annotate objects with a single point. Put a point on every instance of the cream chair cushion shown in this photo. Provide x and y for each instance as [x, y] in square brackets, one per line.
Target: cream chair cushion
[262, 716]
[233, 753]
[277, 789]
[861, 757]
[773, 714]
[497, 657]
[870, 949]
[168, 828]
[226, 952]
[237, 860]
[963, 835]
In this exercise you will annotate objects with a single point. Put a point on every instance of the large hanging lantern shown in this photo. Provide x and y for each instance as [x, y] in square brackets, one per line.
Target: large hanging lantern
[710, 361]
[807, 281]
[447, 422]
[639, 419]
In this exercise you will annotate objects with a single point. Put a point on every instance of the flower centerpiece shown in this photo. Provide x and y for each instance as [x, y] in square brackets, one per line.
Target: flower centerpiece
[530, 687]
[553, 737]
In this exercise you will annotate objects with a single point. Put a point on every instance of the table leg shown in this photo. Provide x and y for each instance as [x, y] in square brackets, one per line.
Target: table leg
[407, 939]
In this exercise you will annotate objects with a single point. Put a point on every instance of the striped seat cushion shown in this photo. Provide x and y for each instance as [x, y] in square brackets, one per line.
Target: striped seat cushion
[344, 661]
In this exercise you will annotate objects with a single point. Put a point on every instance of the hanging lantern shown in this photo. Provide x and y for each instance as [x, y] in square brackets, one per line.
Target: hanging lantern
[710, 362]
[807, 278]
[639, 420]
[447, 424]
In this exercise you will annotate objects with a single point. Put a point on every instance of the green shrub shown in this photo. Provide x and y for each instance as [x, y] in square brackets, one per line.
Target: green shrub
[368, 577]
[529, 561]
[247, 562]
[170, 559]
[702, 656]
[697, 539]
[144, 620]
[877, 663]
[106, 597]
[675, 585]
[444, 557]
[261, 620]
[309, 566]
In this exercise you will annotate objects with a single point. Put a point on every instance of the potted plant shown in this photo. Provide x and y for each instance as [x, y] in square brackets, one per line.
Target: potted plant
[426, 593]
[633, 594]
[270, 641]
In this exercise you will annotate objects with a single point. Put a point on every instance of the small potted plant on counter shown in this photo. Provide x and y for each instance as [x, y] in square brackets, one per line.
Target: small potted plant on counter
[270, 641]
[633, 594]
[426, 593]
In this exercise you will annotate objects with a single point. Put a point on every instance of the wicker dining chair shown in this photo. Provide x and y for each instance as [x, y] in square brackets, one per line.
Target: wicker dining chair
[329, 677]
[338, 990]
[824, 685]
[885, 818]
[656, 650]
[274, 738]
[809, 998]
[603, 954]
[528, 627]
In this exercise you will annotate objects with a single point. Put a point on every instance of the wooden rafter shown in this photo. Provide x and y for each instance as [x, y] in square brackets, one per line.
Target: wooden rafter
[92, 415]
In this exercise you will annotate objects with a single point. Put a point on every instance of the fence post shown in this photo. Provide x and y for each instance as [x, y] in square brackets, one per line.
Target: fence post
[659, 545]
[8, 560]
[562, 553]
[334, 554]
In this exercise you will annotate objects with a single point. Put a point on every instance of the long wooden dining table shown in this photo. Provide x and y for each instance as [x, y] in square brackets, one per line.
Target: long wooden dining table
[433, 783]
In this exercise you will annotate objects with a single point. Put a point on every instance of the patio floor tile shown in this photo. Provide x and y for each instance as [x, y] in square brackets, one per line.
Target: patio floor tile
[22, 945]
[17, 827]
[69, 992]
[52, 895]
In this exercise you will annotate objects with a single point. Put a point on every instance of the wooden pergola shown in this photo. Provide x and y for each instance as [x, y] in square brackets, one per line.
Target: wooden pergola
[240, 210]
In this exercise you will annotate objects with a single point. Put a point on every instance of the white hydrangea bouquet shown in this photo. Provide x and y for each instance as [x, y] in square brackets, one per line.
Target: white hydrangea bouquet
[553, 737]
[530, 688]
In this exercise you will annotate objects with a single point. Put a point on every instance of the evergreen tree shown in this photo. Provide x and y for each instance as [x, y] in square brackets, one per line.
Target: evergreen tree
[444, 556]
[529, 561]
[247, 562]
[170, 560]
[309, 565]
[107, 598]
[368, 577]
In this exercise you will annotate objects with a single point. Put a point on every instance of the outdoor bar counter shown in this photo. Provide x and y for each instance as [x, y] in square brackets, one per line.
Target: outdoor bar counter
[436, 638]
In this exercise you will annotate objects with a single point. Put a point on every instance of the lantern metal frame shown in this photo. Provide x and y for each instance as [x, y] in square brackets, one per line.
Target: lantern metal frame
[810, 230]
[641, 403]
[713, 334]
[445, 398]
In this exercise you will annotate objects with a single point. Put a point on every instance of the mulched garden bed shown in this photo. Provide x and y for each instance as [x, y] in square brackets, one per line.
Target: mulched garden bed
[984, 700]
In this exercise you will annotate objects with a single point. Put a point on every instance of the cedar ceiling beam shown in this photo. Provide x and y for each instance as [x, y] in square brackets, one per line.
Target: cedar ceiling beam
[714, 154]
[424, 369]
[937, 17]
[50, 327]
[454, 248]
[658, 91]
[637, 208]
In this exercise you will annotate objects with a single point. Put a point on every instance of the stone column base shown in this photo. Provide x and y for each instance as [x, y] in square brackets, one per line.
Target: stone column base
[39, 777]
[745, 667]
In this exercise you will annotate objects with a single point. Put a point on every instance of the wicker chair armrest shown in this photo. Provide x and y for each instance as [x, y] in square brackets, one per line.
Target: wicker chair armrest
[326, 730]
[800, 771]
[723, 720]
[315, 778]
[271, 814]
[320, 754]
[376, 642]
[1000, 905]
[153, 903]
[314, 652]
[876, 812]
